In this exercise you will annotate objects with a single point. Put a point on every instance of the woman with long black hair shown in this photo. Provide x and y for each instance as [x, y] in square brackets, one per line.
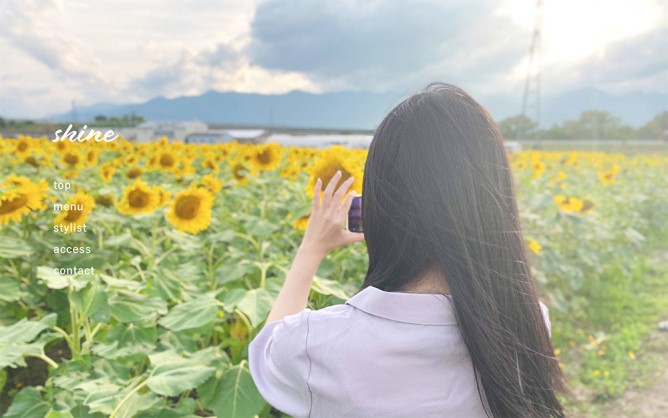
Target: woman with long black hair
[447, 322]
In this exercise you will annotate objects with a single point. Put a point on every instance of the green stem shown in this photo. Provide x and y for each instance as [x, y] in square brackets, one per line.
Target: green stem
[74, 322]
[65, 335]
[87, 330]
[244, 319]
[95, 330]
[126, 398]
[46, 359]
[212, 273]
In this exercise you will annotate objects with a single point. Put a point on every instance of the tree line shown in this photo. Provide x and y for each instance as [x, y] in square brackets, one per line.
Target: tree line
[591, 124]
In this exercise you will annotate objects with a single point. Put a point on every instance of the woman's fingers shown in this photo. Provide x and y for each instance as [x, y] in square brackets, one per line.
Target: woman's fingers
[316, 195]
[345, 207]
[338, 196]
[327, 198]
[353, 237]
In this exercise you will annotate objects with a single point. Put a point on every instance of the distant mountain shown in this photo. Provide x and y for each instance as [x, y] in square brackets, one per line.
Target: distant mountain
[361, 110]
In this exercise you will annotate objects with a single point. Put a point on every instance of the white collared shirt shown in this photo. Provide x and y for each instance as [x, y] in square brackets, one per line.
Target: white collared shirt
[381, 354]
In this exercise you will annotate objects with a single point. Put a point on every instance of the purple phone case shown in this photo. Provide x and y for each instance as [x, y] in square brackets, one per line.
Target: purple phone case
[355, 215]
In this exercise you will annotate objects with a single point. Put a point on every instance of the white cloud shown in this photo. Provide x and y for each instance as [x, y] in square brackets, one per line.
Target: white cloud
[56, 51]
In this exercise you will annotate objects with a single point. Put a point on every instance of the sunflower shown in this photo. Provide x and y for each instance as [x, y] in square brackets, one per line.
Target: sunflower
[133, 172]
[163, 194]
[538, 169]
[24, 184]
[190, 211]
[211, 164]
[302, 222]
[210, 183]
[15, 203]
[79, 206]
[266, 157]
[132, 159]
[165, 160]
[18, 182]
[240, 172]
[73, 159]
[573, 204]
[92, 157]
[607, 177]
[290, 171]
[138, 198]
[535, 247]
[329, 164]
[107, 171]
[23, 146]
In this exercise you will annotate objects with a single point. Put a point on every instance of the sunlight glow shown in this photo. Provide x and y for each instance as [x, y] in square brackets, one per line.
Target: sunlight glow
[574, 30]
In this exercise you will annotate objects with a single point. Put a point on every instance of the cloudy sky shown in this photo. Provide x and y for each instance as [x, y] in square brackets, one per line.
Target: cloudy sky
[55, 51]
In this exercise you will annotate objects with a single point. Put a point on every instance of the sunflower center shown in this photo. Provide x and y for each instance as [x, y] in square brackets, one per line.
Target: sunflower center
[73, 215]
[327, 174]
[9, 206]
[22, 146]
[71, 159]
[133, 173]
[187, 207]
[237, 172]
[32, 161]
[138, 199]
[166, 160]
[264, 157]
[91, 156]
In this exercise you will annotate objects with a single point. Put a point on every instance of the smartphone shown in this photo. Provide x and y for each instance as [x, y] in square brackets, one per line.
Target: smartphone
[355, 215]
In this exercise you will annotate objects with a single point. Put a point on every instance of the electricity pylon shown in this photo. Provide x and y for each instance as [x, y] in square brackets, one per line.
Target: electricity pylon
[532, 82]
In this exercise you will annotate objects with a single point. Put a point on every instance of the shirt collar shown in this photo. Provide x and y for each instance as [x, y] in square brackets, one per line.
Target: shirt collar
[413, 308]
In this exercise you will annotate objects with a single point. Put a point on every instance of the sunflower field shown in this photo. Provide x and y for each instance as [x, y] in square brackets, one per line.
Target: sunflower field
[133, 276]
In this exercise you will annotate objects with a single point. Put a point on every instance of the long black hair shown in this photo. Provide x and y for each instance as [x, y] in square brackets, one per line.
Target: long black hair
[438, 193]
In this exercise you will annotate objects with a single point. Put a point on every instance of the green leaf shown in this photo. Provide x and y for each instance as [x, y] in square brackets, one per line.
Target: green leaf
[28, 403]
[256, 304]
[25, 330]
[329, 287]
[231, 271]
[135, 307]
[185, 409]
[121, 283]
[58, 414]
[91, 301]
[174, 377]
[106, 398]
[231, 297]
[193, 314]
[260, 228]
[10, 290]
[233, 395]
[11, 247]
[56, 281]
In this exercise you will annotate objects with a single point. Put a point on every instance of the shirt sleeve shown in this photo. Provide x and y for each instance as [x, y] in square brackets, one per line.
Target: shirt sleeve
[546, 315]
[279, 364]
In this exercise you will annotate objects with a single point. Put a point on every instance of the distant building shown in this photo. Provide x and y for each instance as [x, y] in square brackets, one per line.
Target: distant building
[220, 136]
[151, 131]
[208, 138]
[321, 141]
[512, 146]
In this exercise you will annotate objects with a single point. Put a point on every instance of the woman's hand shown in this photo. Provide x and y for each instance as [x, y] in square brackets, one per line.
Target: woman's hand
[325, 229]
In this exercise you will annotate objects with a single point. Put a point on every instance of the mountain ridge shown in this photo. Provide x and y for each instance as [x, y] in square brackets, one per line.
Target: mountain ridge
[359, 109]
